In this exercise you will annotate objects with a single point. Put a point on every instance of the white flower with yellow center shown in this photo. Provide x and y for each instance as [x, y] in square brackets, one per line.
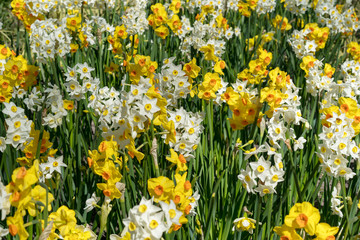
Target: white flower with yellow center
[54, 164]
[299, 143]
[12, 110]
[155, 225]
[18, 125]
[84, 70]
[247, 179]
[337, 161]
[261, 168]
[172, 215]
[341, 147]
[148, 107]
[263, 189]
[16, 138]
[132, 224]
[146, 207]
[345, 172]
[91, 202]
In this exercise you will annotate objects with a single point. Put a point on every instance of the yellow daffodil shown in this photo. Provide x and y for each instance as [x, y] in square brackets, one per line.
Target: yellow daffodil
[287, 233]
[64, 219]
[161, 188]
[179, 160]
[16, 226]
[38, 194]
[191, 69]
[325, 232]
[303, 215]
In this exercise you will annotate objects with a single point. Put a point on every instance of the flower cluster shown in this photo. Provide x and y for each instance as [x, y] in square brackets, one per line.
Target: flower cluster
[52, 165]
[79, 81]
[338, 18]
[211, 85]
[39, 7]
[16, 75]
[337, 138]
[208, 33]
[257, 70]
[174, 81]
[243, 103]
[158, 19]
[336, 203]
[297, 7]
[25, 197]
[301, 45]
[305, 216]
[186, 131]
[349, 86]
[19, 127]
[262, 173]
[245, 7]
[265, 6]
[57, 106]
[354, 49]
[147, 220]
[164, 189]
[281, 22]
[116, 39]
[317, 79]
[33, 150]
[48, 39]
[64, 224]
[106, 163]
[21, 11]
[134, 18]
[308, 40]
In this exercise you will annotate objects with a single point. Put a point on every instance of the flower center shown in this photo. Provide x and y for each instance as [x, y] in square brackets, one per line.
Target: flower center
[260, 169]
[159, 190]
[153, 224]
[172, 213]
[13, 229]
[284, 238]
[142, 208]
[301, 220]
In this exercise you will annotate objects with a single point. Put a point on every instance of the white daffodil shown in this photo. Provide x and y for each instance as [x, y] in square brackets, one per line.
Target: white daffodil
[54, 164]
[172, 215]
[91, 202]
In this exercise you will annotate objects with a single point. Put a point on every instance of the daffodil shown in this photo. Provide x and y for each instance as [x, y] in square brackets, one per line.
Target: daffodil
[287, 233]
[191, 69]
[244, 224]
[64, 219]
[179, 160]
[38, 194]
[23, 178]
[161, 188]
[109, 189]
[325, 232]
[16, 226]
[303, 215]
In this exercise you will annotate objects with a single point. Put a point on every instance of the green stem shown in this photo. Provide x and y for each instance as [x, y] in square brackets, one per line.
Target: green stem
[269, 210]
[297, 185]
[343, 189]
[257, 217]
